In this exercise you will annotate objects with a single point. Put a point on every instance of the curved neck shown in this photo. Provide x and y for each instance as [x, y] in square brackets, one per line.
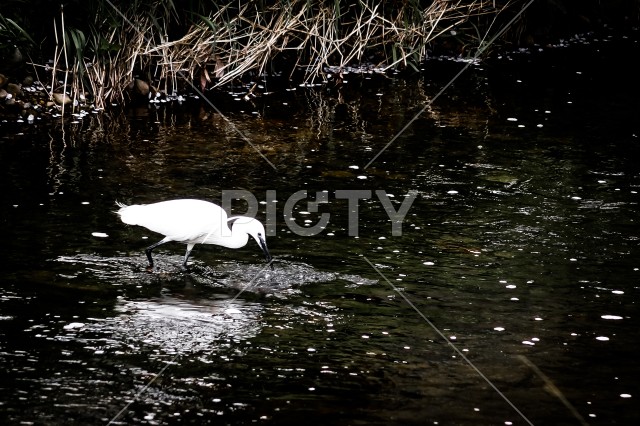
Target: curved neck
[234, 238]
[237, 239]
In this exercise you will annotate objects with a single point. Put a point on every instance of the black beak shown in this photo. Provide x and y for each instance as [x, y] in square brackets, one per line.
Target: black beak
[263, 246]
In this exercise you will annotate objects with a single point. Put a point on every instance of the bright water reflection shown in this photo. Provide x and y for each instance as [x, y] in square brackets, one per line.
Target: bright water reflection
[521, 249]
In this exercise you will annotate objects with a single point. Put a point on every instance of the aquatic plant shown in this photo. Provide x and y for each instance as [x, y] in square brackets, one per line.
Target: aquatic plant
[14, 40]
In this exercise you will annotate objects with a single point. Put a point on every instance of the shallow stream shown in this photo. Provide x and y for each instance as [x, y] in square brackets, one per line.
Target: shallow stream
[510, 297]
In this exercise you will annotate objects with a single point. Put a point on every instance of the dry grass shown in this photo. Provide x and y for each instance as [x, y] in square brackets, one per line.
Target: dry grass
[234, 41]
[318, 35]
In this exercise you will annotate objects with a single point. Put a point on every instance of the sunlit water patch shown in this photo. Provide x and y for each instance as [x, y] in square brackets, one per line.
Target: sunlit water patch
[106, 363]
[166, 326]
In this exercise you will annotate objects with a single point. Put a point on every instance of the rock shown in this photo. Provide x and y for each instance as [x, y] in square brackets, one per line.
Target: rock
[3, 94]
[28, 81]
[15, 60]
[141, 87]
[14, 89]
[3, 80]
[61, 98]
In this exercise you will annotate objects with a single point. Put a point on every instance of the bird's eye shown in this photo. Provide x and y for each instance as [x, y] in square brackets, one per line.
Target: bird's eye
[259, 234]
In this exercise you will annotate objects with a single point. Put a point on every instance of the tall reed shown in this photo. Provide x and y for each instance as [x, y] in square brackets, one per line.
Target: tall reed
[215, 44]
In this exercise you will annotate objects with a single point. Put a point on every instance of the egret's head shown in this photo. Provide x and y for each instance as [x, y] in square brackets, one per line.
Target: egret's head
[254, 228]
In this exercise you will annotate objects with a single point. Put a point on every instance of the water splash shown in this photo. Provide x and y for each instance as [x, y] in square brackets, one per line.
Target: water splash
[284, 276]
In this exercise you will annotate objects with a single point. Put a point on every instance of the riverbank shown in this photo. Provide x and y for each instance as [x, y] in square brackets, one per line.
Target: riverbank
[28, 101]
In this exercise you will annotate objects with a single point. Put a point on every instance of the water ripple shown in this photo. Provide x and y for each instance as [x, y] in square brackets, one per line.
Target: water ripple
[166, 326]
[285, 275]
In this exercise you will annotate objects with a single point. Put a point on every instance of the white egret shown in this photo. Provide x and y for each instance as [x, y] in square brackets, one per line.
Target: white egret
[193, 222]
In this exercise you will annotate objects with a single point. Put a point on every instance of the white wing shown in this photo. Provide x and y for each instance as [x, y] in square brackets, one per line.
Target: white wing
[182, 220]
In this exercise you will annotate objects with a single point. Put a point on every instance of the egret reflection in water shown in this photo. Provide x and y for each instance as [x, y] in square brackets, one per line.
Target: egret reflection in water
[167, 326]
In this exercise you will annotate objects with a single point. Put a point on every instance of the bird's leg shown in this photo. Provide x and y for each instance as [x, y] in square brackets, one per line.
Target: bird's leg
[150, 249]
[186, 257]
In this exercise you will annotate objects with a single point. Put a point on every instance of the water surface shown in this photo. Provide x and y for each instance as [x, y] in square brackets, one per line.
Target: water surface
[520, 250]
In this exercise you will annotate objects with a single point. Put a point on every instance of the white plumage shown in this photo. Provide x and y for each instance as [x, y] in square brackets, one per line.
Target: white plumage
[193, 222]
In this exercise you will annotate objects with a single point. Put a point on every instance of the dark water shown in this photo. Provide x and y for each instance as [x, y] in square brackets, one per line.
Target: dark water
[519, 253]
